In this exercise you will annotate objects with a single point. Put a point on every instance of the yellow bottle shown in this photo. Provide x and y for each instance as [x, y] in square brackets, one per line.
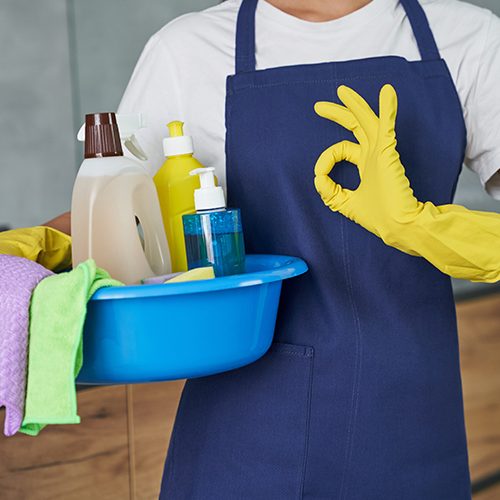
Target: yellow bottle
[176, 190]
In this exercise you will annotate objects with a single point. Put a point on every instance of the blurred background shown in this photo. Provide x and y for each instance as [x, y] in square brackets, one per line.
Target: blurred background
[60, 59]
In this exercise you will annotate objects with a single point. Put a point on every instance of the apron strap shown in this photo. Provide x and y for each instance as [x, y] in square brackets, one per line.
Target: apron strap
[421, 30]
[245, 34]
[245, 37]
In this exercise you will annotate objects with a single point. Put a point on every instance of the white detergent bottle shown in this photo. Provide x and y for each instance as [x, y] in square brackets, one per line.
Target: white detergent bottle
[111, 193]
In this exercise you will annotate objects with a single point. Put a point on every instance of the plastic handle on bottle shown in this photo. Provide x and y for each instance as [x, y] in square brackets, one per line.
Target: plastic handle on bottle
[156, 247]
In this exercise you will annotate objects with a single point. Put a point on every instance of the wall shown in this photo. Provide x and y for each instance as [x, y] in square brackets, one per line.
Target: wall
[36, 135]
[59, 60]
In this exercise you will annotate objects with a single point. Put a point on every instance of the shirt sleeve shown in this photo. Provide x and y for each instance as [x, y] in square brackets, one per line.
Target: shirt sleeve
[153, 91]
[482, 113]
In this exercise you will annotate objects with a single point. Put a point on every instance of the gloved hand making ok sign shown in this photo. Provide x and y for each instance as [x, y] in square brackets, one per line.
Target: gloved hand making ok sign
[384, 196]
[460, 242]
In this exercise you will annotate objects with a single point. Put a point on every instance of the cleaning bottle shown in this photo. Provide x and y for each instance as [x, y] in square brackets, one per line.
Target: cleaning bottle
[176, 189]
[111, 193]
[214, 234]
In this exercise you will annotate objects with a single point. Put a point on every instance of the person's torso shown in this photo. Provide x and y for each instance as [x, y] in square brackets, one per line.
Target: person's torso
[370, 334]
[202, 47]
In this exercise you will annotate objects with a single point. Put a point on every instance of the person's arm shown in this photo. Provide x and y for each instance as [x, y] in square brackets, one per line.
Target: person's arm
[61, 223]
[48, 244]
[49, 247]
[460, 242]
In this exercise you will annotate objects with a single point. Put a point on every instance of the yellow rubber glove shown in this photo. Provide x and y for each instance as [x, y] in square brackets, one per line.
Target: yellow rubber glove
[45, 245]
[460, 242]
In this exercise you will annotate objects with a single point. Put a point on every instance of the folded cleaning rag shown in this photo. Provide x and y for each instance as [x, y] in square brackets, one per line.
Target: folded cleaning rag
[57, 316]
[18, 278]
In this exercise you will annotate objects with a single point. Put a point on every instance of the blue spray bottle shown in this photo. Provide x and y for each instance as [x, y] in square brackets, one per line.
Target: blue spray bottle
[214, 234]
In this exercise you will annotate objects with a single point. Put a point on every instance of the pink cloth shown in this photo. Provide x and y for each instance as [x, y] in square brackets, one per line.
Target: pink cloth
[18, 278]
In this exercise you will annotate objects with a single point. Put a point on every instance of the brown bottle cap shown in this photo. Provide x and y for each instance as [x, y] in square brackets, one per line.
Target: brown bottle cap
[102, 137]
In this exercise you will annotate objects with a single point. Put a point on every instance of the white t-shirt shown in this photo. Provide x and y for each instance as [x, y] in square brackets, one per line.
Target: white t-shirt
[182, 71]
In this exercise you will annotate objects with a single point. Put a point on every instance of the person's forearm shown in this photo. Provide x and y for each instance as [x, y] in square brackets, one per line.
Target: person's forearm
[460, 242]
[61, 223]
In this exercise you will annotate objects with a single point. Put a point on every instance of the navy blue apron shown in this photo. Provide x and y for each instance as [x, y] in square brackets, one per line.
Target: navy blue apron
[359, 397]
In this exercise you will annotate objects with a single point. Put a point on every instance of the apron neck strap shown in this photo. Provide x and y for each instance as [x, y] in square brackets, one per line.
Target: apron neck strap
[421, 30]
[245, 34]
[245, 37]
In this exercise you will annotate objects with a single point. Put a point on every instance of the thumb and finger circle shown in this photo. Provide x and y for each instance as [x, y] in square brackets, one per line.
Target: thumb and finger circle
[357, 116]
[332, 193]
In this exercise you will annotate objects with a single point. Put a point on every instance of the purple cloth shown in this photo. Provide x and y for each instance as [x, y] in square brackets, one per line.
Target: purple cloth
[18, 278]
[156, 280]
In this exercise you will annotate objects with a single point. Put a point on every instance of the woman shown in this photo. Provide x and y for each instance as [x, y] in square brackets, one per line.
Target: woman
[360, 396]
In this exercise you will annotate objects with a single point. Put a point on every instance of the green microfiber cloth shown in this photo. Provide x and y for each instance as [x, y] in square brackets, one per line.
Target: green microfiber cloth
[57, 315]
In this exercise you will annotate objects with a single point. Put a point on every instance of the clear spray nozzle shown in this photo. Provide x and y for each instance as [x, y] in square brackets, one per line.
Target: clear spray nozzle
[134, 147]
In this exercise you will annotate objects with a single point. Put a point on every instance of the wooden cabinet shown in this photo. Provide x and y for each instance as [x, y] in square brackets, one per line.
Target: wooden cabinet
[72, 462]
[479, 330]
[492, 493]
[118, 450]
[155, 406]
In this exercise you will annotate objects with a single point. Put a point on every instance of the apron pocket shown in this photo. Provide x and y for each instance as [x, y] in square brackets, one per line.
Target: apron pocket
[243, 434]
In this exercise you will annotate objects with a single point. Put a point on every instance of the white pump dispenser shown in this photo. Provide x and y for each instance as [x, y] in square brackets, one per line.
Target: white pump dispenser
[208, 196]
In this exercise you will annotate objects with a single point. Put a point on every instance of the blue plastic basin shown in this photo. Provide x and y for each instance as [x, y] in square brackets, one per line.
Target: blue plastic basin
[151, 333]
